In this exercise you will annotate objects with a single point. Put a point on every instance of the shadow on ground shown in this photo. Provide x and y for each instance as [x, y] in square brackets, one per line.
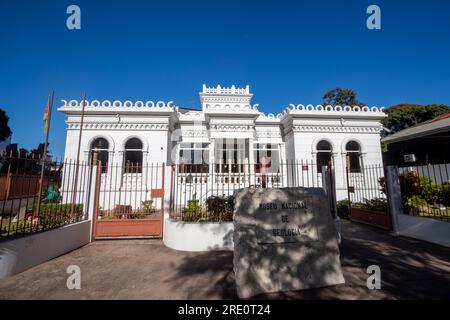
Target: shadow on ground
[410, 269]
[146, 269]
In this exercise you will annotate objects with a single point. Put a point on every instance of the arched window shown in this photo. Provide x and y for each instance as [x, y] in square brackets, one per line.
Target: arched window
[324, 151]
[353, 156]
[133, 156]
[99, 151]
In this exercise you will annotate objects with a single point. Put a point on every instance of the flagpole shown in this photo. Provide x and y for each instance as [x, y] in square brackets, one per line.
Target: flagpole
[78, 154]
[44, 157]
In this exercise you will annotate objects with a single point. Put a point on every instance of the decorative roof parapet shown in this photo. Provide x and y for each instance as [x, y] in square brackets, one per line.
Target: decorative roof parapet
[269, 117]
[300, 108]
[106, 104]
[224, 90]
[191, 116]
[229, 107]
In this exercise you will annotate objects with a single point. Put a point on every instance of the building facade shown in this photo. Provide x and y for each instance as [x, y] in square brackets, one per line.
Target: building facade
[227, 136]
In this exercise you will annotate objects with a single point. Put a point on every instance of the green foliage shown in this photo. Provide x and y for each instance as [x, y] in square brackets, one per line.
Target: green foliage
[375, 204]
[445, 194]
[420, 191]
[5, 130]
[416, 201]
[220, 208]
[343, 208]
[147, 206]
[342, 202]
[413, 185]
[52, 215]
[56, 207]
[193, 211]
[403, 116]
[430, 191]
[341, 97]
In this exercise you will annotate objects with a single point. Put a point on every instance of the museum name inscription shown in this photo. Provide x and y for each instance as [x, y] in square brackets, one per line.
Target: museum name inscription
[285, 205]
[289, 230]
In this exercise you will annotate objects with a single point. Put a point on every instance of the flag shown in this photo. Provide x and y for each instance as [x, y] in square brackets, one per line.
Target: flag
[46, 116]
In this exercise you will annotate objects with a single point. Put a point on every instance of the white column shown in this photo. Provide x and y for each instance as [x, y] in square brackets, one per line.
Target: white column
[212, 150]
[251, 161]
[344, 166]
[339, 174]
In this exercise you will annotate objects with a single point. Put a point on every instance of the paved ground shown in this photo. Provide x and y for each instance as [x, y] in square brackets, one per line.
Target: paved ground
[146, 269]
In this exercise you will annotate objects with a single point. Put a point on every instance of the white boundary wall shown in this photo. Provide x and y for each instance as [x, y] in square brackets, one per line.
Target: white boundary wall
[426, 229]
[19, 254]
[208, 236]
[421, 228]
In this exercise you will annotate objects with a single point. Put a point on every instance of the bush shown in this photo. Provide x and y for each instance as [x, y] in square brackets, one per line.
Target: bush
[56, 207]
[416, 201]
[55, 214]
[193, 211]
[413, 186]
[429, 190]
[147, 207]
[343, 208]
[220, 208]
[375, 204]
[445, 194]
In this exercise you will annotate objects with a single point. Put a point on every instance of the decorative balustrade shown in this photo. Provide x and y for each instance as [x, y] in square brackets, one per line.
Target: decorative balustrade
[226, 90]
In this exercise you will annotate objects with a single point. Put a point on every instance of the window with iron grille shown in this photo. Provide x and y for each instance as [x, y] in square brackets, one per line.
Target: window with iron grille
[133, 156]
[193, 158]
[270, 153]
[100, 152]
[324, 152]
[353, 156]
[230, 155]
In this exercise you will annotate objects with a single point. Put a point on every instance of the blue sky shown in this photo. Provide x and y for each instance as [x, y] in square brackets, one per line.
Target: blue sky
[287, 51]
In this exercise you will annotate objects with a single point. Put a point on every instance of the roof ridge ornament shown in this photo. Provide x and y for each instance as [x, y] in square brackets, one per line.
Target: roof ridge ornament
[233, 90]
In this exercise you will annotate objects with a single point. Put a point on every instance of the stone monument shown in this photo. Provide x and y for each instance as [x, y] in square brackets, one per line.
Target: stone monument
[284, 239]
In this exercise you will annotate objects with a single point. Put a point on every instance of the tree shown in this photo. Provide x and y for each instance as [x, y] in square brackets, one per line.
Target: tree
[403, 116]
[5, 131]
[341, 97]
[39, 152]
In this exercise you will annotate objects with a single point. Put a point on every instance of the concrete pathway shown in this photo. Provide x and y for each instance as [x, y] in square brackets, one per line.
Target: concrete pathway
[146, 269]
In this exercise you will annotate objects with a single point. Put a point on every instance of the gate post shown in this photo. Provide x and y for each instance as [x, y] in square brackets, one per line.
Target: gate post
[394, 195]
[329, 185]
[94, 184]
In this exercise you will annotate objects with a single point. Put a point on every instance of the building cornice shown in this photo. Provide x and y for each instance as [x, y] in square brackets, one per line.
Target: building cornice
[118, 126]
[337, 129]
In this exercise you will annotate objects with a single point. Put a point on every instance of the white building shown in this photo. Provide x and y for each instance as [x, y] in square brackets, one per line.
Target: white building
[228, 137]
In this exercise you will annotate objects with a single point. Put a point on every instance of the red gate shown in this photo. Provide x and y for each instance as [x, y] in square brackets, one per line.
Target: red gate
[129, 200]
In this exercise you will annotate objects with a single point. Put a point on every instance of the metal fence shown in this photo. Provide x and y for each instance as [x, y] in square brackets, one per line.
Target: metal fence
[205, 192]
[131, 191]
[30, 203]
[367, 197]
[366, 188]
[426, 190]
